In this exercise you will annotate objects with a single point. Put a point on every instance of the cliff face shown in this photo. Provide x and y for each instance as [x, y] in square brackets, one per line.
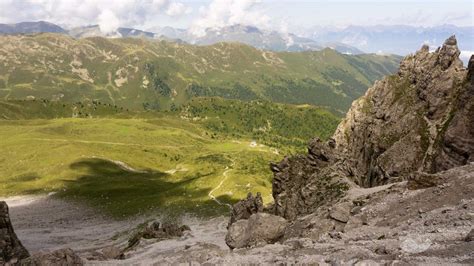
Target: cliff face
[418, 120]
[457, 145]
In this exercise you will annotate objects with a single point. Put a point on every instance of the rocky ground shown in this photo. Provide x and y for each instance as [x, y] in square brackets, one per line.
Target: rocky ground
[378, 225]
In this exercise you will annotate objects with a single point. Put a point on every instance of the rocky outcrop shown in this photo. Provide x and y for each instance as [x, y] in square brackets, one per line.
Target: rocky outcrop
[166, 230]
[416, 125]
[157, 230]
[259, 229]
[303, 183]
[11, 249]
[419, 119]
[245, 208]
[412, 124]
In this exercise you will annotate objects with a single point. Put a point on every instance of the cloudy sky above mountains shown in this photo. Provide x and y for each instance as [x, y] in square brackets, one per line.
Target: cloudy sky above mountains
[268, 14]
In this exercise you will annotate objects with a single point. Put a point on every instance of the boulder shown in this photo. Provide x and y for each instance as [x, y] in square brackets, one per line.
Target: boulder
[164, 230]
[246, 207]
[62, 257]
[11, 249]
[113, 253]
[341, 212]
[157, 230]
[259, 229]
[237, 235]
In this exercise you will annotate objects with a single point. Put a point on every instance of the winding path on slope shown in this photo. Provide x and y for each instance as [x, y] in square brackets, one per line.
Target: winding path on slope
[225, 176]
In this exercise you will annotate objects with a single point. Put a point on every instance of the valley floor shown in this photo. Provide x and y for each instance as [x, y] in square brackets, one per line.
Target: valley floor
[127, 167]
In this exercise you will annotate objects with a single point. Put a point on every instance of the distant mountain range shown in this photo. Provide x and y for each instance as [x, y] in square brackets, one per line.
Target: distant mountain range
[396, 39]
[258, 38]
[261, 39]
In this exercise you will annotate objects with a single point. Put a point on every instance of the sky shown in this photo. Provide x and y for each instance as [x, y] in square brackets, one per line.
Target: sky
[197, 15]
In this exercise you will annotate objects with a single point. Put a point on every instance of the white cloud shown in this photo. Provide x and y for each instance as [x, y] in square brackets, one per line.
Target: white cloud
[222, 13]
[72, 13]
[108, 21]
[178, 9]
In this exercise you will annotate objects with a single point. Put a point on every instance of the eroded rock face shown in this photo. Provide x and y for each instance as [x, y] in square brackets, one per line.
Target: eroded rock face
[11, 249]
[457, 144]
[259, 229]
[420, 119]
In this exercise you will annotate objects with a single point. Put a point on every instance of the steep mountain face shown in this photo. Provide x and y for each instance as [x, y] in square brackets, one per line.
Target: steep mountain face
[150, 74]
[419, 120]
[30, 27]
[410, 113]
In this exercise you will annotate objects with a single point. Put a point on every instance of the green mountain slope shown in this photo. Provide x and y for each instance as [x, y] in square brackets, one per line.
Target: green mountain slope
[139, 73]
[276, 125]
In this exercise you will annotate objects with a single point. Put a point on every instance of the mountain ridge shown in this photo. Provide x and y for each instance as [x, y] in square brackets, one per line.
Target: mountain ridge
[250, 35]
[152, 74]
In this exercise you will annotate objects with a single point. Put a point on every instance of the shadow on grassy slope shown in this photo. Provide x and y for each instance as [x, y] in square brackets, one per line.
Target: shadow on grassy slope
[121, 192]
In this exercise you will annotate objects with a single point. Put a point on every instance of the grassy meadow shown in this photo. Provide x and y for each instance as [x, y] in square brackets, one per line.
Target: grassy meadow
[127, 163]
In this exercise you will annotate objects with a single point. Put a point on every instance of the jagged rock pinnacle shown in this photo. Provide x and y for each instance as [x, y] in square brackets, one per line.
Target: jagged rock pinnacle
[449, 52]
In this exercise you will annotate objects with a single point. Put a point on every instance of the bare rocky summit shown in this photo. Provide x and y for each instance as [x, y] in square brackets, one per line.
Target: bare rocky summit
[420, 119]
